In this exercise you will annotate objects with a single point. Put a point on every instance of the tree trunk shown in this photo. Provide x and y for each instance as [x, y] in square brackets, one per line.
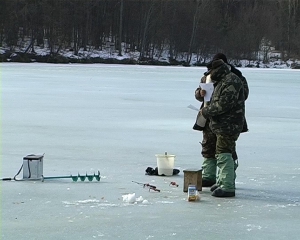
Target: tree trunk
[120, 28]
[145, 30]
[194, 29]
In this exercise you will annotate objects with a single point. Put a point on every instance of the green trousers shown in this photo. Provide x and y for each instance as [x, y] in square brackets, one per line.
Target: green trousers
[226, 176]
[224, 148]
[209, 169]
[235, 166]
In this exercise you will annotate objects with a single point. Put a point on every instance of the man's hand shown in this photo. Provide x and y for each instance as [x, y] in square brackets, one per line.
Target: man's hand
[199, 93]
[202, 92]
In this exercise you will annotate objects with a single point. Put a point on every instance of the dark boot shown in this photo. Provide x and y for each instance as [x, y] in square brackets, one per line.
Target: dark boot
[219, 192]
[207, 183]
[214, 187]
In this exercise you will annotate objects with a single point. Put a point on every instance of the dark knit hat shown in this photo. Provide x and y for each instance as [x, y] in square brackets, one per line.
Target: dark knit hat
[217, 63]
[220, 56]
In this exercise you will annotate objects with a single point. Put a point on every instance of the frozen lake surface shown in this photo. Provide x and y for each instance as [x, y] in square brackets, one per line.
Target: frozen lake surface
[115, 118]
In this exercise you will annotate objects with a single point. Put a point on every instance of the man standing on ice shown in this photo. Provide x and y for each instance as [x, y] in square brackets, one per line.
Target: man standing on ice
[209, 165]
[226, 114]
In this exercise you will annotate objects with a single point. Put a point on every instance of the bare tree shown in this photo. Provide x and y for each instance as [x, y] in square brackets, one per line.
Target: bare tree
[145, 30]
[121, 27]
[194, 30]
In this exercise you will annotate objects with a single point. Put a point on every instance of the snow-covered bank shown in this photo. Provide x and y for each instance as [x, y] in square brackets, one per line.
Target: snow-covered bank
[112, 57]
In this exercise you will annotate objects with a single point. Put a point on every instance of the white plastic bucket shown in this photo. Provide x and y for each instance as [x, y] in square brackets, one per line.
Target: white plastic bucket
[165, 164]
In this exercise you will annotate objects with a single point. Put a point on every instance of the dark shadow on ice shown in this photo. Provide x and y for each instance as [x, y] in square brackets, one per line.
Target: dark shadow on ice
[269, 196]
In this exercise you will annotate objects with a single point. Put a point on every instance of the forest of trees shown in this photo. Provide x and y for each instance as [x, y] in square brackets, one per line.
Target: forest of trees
[203, 27]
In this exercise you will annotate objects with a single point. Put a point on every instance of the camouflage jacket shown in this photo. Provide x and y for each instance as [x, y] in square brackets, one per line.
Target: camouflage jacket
[244, 81]
[226, 110]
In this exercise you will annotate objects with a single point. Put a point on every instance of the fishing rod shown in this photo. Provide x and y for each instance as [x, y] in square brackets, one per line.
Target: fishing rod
[151, 187]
